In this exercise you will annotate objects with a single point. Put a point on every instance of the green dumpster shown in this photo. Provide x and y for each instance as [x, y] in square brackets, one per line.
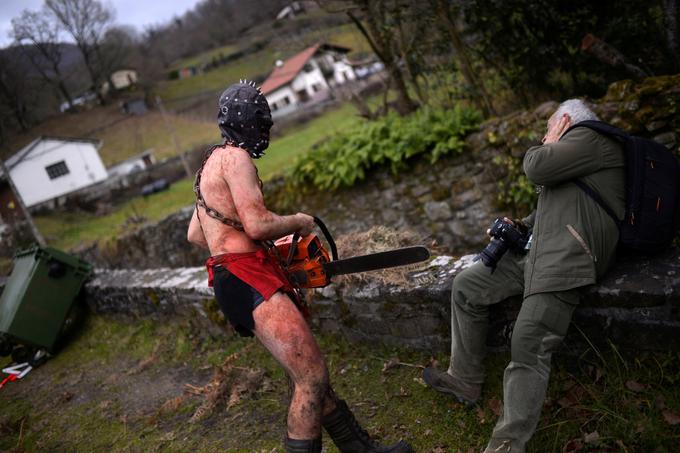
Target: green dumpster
[39, 294]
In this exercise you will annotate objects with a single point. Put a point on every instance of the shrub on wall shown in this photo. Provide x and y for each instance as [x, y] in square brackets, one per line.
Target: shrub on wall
[346, 158]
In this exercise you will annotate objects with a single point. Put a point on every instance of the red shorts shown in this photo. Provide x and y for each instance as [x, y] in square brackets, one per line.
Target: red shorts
[257, 270]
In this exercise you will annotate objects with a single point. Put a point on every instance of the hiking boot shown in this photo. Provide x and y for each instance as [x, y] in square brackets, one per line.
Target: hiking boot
[502, 446]
[443, 382]
[349, 437]
[303, 445]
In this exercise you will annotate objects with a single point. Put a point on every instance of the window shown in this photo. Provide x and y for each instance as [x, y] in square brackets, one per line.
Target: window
[57, 170]
[309, 67]
[286, 100]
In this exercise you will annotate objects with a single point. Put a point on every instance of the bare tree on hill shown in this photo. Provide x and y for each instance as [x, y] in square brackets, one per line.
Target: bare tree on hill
[376, 21]
[18, 93]
[38, 37]
[86, 21]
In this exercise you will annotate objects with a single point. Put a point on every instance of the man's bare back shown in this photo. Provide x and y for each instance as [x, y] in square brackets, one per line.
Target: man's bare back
[230, 185]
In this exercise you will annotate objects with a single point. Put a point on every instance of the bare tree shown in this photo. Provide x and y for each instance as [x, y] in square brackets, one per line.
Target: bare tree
[86, 21]
[671, 11]
[16, 91]
[480, 94]
[38, 35]
[374, 20]
[117, 50]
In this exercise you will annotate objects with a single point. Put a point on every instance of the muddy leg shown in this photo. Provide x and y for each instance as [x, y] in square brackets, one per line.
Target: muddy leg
[282, 329]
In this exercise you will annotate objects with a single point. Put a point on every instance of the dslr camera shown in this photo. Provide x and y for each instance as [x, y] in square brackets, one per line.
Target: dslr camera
[504, 236]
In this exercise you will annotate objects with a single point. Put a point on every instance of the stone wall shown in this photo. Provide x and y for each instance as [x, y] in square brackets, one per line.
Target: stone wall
[162, 244]
[637, 306]
[451, 202]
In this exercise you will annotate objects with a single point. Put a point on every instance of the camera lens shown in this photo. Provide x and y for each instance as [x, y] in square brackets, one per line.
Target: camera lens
[493, 252]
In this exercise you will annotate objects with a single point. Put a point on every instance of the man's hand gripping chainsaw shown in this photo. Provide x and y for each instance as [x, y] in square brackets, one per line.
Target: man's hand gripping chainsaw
[309, 265]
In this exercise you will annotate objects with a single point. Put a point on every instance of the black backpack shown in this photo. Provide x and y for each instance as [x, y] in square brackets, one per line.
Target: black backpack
[652, 191]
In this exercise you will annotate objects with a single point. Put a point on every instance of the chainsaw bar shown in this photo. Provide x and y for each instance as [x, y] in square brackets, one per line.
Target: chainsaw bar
[375, 261]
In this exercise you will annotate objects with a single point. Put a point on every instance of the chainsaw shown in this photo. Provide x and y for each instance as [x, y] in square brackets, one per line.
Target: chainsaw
[309, 265]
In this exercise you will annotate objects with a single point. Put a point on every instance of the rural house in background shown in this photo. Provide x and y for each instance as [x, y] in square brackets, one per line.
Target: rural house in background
[307, 78]
[50, 167]
[295, 9]
[132, 164]
[120, 79]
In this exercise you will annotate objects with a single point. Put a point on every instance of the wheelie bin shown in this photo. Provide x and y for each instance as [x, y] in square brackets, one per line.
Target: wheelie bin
[38, 297]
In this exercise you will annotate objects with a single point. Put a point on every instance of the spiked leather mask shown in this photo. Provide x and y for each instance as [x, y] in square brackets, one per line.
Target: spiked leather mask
[244, 118]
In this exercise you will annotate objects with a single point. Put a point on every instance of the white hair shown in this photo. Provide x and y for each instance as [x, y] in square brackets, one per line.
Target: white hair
[577, 110]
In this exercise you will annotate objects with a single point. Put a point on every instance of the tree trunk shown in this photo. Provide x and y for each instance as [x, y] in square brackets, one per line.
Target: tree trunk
[670, 8]
[382, 48]
[405, 49]
[482, 98]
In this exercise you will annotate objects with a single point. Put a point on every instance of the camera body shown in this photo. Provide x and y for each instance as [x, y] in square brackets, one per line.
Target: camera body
[505, 236]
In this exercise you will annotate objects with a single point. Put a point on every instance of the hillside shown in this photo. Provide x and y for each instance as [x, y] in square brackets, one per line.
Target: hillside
[124, 136]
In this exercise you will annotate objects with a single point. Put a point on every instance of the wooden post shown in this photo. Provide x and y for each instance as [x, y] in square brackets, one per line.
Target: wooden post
[168, 126]
[34, 229]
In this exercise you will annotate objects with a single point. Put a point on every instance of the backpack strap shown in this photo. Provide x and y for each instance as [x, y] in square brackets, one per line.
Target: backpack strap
[608, 130]
[599, 126]
[592, 193]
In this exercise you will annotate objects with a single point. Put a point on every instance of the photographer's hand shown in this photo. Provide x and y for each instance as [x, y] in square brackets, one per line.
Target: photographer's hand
[558, 128]
[506, 220]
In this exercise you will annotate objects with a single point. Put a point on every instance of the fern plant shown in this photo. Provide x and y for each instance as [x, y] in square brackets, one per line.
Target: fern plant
[346, 158]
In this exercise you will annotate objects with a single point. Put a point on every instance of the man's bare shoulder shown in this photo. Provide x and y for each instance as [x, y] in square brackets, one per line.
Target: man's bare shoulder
[234, 158]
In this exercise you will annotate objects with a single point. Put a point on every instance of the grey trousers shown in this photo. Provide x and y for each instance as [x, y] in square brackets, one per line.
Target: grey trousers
[540, 328]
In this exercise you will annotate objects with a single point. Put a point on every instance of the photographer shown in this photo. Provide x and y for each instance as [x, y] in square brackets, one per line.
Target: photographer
[571, 242]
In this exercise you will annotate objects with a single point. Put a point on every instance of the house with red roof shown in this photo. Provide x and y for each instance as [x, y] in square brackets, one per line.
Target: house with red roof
[306, 78]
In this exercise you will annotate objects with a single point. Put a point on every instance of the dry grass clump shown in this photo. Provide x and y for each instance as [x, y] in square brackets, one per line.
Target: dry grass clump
[228, 385]
[379, 239]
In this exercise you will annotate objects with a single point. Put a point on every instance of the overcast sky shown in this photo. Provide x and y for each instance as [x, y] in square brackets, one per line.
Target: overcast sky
[128, 12]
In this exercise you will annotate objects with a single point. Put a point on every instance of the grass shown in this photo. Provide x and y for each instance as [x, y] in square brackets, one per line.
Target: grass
[299, 140]
[70, 229]
[205, 57]
[80, 400]
[137, 134]
[258, 63]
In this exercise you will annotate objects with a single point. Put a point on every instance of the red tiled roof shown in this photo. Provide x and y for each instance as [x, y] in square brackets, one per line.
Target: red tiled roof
[285, 73]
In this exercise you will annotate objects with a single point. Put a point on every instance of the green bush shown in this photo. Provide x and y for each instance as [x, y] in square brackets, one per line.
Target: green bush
[515, 191]
[346, 158]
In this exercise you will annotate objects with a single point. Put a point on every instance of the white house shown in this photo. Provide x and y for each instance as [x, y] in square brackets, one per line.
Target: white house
[307, 77]
[122, 78]
[132, 164]
[50, 167]
[294, 9]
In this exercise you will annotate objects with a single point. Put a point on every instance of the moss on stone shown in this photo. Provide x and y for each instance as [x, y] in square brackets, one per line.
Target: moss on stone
[212, 310]
[153, 297]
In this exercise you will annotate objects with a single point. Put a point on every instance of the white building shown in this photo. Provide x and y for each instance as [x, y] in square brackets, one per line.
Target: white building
[121, 78]
[307, 77]
[132, 164]
[50, 167]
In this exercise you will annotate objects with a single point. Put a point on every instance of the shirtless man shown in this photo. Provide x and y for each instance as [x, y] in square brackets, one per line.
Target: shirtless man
[232, 222]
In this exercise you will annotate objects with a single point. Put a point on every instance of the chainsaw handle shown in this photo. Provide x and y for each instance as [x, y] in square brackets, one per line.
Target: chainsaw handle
[327, 234]
[293, 248]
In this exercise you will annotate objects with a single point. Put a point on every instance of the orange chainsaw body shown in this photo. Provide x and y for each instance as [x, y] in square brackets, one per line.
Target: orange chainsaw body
[306, 266]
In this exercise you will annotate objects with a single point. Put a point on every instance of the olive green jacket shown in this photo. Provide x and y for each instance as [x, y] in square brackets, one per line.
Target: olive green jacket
[574, 239]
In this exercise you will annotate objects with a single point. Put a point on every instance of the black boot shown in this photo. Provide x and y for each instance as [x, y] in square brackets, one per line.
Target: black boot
[349, 437]
[303, 445]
